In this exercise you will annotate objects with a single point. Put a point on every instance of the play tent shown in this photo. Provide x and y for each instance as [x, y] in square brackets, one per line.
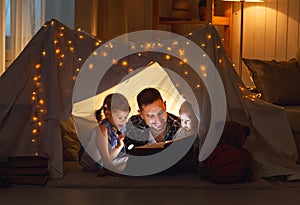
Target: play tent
[36, 95]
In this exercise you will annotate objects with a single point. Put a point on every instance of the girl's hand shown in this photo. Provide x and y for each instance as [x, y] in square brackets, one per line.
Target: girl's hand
[121, 138]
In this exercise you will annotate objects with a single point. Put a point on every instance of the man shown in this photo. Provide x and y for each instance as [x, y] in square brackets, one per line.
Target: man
[154, 124]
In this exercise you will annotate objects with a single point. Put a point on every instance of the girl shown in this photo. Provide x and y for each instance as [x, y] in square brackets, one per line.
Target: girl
[109, 138]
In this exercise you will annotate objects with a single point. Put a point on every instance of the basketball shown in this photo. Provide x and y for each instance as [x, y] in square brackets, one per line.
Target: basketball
[226, 164]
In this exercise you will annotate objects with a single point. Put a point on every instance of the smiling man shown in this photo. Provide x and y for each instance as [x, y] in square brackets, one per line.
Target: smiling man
[153, 124]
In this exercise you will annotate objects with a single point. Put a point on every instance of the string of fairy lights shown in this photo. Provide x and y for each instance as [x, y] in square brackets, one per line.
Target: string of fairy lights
[66, 49]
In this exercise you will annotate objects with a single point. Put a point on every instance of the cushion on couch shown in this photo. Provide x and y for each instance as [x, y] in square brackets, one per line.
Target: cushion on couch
[277, 81]
[293, 115]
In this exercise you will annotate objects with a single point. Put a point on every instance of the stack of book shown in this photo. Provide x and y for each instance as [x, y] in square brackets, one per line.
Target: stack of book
[30, 170]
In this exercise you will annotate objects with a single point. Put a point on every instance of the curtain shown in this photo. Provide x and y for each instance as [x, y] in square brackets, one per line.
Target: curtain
[26, 17]
[21, 25]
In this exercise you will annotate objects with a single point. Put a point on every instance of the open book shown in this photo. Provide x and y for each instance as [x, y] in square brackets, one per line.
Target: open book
[149, 149]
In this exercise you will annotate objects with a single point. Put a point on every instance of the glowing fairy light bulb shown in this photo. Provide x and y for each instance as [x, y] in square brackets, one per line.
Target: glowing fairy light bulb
[218, 47]
[130, 70]
[181, 62]
[79, 29]
[203, 45]
[241, 88]
[209, 36]
[79, 59]
[69, 42]
[132, 47]
[38, 66]
[44, 53]
[57, 51]
[167, 57]
[35, 118]
[169, 48]
[185, 60]
[139, 54]
[33, 98]
[104, 53]
[62, 55]
[62, 28]
[198, 86]
[97, 43]
[35, 78]
[34, 131]
[148, 45]
[124, 63]
[80, 36]
[181, 52]
[41, 102]
[91, 66]
[55, 42]
[61, 64]
[39, 123]
[32, 140]
[61, 35]
[74, 77]
[174, 43]
[95, 53]
[77, 69]
[114, 61]
[36, 154]
[220, 61]
[71, 49]
[52, 23]
[185, 72]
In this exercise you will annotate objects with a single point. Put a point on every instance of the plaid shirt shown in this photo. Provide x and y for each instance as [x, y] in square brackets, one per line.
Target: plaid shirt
[137, 131]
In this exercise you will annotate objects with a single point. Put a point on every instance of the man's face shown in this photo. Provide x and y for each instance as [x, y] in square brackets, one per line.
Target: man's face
[155, 116]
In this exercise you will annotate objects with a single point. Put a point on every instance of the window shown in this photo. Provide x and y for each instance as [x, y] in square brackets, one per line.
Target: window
[22, 20]
[7, 24]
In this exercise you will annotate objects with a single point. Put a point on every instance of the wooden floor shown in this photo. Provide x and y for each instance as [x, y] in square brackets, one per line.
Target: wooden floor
[280, 194]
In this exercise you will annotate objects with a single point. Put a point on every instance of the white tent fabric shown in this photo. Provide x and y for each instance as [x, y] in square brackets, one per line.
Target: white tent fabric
[40, 84]
[36, 93]
[153, 76]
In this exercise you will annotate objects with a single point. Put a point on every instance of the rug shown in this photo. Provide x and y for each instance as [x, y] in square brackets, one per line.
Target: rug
[75, 177]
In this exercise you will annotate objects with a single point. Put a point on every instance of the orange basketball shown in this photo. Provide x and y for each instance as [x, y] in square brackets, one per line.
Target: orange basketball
[226, 164]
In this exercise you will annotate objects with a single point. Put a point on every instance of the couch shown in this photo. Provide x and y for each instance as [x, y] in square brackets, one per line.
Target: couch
[278, 82]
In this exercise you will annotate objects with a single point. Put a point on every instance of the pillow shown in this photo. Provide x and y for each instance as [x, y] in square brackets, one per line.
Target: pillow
[277, 81]
[70, 140]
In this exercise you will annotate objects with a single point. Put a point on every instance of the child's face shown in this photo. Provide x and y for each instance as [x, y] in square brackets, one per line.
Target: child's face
[118, 118]
[186, 121]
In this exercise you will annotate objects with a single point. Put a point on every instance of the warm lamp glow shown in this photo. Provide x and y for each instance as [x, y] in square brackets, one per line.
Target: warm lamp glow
[241, 31]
